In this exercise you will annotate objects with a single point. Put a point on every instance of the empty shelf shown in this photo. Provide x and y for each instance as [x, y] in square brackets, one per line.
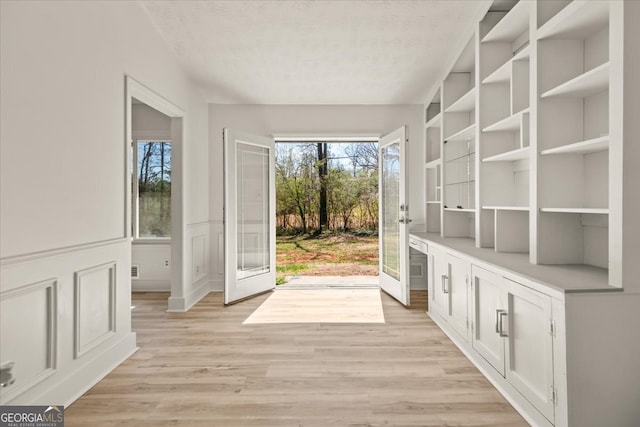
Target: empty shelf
[509, 156]
[503, 73]
[507, 208]
[600, 211]
[432, 164]
[593, 81]
[576, 21]
[434, 122]
[583, 147]
[508, 124]
[463, 135]
[464, 104]
[513, 24]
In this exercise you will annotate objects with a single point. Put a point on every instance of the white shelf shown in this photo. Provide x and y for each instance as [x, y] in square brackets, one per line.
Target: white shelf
[434, 122]
[464, 104]
[509, 156]
[507, 208]
[599, 211]
[433, 164]
[460, 210]
[463, 135]
[430, 202]
[513, 24]
[508, 124]
[503, 73]
[577, 20]
[593, 81]
[583, 147]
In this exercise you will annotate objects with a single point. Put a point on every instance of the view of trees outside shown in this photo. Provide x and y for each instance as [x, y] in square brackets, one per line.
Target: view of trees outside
[326, 187]
[154, 188]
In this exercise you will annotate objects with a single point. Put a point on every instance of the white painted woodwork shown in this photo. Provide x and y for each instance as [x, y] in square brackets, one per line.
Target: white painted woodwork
[95, 315]
[250, 226]
[394, 268]
[438, 298]
[487, 299]
[529, 353]
[457, 284]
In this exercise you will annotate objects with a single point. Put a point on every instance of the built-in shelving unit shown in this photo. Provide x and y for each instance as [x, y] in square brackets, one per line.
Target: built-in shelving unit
[433, 162]
[536, 179]
[573, 142]
[503, 172]
[459, 97]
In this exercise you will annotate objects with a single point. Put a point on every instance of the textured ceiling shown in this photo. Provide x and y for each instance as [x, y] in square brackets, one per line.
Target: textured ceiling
[314, 52]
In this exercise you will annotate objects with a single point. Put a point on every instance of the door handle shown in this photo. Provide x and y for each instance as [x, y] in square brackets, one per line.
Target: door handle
[404, 221]
[444, 288]
[499, 322]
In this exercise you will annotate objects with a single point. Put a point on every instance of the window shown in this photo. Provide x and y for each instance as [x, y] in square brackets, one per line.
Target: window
[151, 189]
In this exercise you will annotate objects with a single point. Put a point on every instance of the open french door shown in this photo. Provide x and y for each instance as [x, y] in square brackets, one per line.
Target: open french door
[249, 215]
[394, 215]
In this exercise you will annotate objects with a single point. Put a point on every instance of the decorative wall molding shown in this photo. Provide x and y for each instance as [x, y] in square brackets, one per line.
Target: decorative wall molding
[81, 281]
[13, 259]
[50, 287]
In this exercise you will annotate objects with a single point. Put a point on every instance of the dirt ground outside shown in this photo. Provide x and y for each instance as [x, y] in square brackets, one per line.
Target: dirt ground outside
[333, 254]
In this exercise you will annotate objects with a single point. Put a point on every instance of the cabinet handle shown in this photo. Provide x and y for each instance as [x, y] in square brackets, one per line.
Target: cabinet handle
[444, 287]
[500, 326]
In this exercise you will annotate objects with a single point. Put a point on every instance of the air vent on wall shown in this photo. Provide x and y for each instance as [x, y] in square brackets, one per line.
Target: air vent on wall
[135, 271]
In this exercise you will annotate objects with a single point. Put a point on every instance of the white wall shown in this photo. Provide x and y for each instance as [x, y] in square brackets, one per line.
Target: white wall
[311, 119]
[62, 187]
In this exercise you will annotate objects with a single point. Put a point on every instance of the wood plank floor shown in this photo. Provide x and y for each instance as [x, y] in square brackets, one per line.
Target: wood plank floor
[205, 368]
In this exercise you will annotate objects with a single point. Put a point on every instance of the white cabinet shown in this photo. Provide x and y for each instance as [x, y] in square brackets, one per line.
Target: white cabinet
[438, 298]
[449, 282]
[489, 307]
[457, 283]
[528, 329]
[512, 331]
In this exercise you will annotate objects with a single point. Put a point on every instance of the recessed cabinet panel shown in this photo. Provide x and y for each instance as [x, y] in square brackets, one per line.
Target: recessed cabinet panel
[457, 286]
[529, 366]
[489, 311]
[437, 285]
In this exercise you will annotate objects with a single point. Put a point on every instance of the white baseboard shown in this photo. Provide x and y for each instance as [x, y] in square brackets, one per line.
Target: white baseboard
[183, 304]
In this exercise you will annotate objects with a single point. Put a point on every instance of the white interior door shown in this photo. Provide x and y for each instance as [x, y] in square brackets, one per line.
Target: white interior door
[249, 215]
[394, 215]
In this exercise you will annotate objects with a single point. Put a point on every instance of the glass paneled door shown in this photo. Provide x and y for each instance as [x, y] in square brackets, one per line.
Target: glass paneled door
[394, 215]
[249, 215]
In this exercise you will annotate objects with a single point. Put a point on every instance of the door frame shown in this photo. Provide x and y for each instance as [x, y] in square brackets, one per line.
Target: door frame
[135, 89]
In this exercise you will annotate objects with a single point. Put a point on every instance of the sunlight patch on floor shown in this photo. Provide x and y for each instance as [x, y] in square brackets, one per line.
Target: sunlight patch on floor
[320, 306]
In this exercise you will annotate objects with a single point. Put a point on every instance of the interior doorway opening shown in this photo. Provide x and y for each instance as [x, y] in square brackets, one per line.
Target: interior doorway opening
[327, 212]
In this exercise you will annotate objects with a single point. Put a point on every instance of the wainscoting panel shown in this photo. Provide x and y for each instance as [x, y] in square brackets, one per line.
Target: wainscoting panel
[31, 344]
[65, 320]
[95, 309]
[200, 259]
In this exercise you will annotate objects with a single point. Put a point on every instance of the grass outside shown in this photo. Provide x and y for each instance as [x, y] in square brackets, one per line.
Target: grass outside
[332, 254]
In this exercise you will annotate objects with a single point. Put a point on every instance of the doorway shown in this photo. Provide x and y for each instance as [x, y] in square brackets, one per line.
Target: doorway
[327, 212]
[154, 225]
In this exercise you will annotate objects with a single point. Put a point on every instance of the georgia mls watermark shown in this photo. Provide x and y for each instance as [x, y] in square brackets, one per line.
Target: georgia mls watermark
[32, 416]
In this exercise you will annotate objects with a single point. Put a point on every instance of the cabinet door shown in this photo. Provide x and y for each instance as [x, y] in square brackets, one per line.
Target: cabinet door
[529, 366]
[489, 308]
[457, 287]
[437, 281]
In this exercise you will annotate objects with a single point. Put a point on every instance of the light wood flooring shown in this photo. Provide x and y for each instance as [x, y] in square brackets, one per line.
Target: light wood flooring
[205, 368]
